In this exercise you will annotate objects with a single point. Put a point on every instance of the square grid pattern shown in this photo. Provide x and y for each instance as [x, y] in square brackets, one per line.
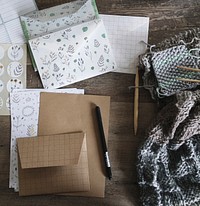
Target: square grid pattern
[126, 34]
[50, 177]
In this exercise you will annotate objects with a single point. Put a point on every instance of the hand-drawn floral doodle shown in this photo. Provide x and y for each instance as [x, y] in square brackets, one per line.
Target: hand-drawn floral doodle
[8, 103]
[16, 98]
[81, 64]
[14, 84]
[1, 102]
[15, 69]
[69, 55]
[15, 52]
[31, 131]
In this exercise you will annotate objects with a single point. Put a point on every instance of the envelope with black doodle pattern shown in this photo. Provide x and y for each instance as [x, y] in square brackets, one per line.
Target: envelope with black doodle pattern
[73, 54]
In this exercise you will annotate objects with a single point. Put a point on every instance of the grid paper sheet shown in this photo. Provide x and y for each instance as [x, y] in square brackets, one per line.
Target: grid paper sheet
[127, 35]
[24, 105]
[49, 151]
[56, 164]
[10, 26]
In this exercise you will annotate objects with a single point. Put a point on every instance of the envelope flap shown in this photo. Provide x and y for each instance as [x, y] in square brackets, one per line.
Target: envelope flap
[69, 40]
[58, 11]
[46, 21]
[50, 150]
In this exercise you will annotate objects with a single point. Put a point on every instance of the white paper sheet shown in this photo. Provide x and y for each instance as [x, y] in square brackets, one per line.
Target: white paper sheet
[11, 31]
[24, 121]
[126, 34]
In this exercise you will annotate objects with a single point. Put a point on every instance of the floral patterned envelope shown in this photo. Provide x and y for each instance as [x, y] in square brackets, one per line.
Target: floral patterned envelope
[39, 23]
[73, 54]
[70, 48]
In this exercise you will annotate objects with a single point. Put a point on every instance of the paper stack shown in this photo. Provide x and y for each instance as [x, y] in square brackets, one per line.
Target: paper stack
[62, 153]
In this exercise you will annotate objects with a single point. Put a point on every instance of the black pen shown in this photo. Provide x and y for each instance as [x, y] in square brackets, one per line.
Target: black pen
[103, 143]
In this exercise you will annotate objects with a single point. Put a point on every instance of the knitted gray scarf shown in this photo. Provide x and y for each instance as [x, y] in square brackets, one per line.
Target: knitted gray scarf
[169, 159]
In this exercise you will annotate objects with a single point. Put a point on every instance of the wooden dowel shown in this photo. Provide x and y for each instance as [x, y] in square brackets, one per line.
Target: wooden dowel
[136, 101]
[189, 69]
[189, 80]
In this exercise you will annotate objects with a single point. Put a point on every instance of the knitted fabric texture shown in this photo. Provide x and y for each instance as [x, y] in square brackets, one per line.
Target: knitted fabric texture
[161, 63]
[169, 159]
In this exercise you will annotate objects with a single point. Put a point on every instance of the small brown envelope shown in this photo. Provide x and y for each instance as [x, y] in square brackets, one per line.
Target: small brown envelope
[53, 164]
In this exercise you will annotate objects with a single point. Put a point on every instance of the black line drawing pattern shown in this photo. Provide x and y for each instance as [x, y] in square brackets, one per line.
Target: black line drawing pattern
[31, 130]
[8, 103]
[1, 102]
[28, 111]
[15, 98]
[88, 53]
[17, 121]
[1, 69]
[45, 77]
[14, 84]
[15, 53]
[15, 69]
[1, 86]
[81, 64]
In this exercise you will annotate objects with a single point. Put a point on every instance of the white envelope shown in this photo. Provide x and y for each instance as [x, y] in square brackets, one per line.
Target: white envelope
[73, 54]
[39, 23]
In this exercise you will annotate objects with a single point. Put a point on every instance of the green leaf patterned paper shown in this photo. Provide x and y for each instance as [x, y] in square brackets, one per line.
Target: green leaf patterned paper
[73, 54]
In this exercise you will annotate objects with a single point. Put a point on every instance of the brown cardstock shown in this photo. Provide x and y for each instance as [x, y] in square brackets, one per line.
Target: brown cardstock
[64, 113]
[53, 164]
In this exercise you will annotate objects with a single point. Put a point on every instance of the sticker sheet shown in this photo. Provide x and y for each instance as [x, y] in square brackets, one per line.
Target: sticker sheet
[12, 72]
[24, 122]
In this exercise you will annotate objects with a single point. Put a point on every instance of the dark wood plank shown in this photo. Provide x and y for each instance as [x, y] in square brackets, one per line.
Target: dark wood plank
[166, 19]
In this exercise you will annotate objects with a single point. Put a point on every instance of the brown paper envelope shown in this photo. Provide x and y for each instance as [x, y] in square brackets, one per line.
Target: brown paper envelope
[62, 113]
[53, 164]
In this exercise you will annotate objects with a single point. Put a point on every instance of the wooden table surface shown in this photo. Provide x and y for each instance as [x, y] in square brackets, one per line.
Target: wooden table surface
[167, 17]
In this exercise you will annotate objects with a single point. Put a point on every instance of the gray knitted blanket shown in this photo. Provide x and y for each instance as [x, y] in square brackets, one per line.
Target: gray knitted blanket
[169, 159]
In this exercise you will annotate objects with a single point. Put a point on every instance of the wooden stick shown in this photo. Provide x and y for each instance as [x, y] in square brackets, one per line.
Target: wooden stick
[136, 101]
[189, 80]
[189, 69]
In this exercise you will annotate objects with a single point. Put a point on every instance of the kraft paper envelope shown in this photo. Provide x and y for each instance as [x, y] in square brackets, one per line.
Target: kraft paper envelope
[62, 113]
[53, 164]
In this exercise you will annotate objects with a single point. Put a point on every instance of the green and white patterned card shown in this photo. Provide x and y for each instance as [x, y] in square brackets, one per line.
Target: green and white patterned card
[68, 43]
[73, 54]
